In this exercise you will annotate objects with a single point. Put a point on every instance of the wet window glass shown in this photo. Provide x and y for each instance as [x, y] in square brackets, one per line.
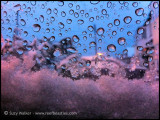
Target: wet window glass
[71, 42]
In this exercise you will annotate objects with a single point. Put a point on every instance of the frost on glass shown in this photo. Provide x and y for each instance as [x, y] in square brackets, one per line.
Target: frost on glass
[79, 41]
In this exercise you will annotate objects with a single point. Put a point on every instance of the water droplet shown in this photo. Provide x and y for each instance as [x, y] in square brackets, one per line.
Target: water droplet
[63, 14]
[145, 64]
[61, 25]
[100, 31]
[45, 47]
[36, 27]
[71, 50]
[125, 51]
[129, 33]
[116, 22]
[94, 2]
[55, 11]
[109, 4]
[104, 11]
[111, 48]
[70, 5]
[42, 6]
[85, 38]
[23, 23]
[5, 13]
[80, 22]
[25, 42]
[138, 22]
[91, 19]
[127, 19]
[71, 12]
[86, 15]
[52, 19]
[49, 11]
[88, 63]
[57, 52]
[92, 44]
[150, 51]
[139, 11]
[90, 28]
[110, 25]
[75, 38]
[9, 30]
[114, 33]
[134, 4]
[139, 48]
[69, 21]
[77, 7]
[33, 3]
[84, 50]
[155, 5]
[47, 30]
[41, 18]
[52, 38]
[25, 33]
[60, 3]
[76, 15]
[20, 51]
[121, 41]
[140, 31]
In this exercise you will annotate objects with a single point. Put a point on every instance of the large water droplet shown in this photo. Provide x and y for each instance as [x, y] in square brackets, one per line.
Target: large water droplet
[75, 38]
[127, 19]
[36, 27]
[100, 31]
[111, 48]
[139, 11]
[121, 41]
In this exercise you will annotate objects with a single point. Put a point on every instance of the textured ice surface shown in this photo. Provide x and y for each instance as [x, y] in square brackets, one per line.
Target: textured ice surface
[44, 90]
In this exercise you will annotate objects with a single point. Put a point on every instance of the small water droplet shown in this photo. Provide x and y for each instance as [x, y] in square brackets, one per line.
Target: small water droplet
[63, 14]
[80, 22]
[61, 25]
[69, 21]
[41, 18]
[94, 2]
[116, 22]
[60, 3]
[91, 19]
[139, 48]
[104, 11]
[49, 11]
[75, 38]
[134, 4]
[140, 31]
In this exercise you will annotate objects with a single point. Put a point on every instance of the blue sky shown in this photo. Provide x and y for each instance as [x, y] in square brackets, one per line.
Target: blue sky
[117, 10]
